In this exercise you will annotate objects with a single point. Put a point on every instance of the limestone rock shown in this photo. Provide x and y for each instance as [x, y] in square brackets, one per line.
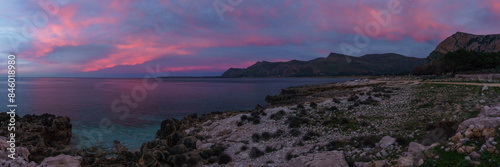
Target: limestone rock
[415, 147]
[405, 162]
[490, 122]
[489, 132]
[386, 141]
[61, 161]
[485, 88]
[470, 42]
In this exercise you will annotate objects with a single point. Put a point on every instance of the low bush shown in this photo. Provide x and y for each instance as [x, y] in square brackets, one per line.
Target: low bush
[266, 136]
[278, 133]
[309, 135]
[224, 158]
[352, 98]
[313, 105]
[244, 148]
[295, 132]
[295, 122]
[334, 145]
[300, 106]
[289, 156]
[255, 153]
[255, 137]
[278, 115]
[270, 149]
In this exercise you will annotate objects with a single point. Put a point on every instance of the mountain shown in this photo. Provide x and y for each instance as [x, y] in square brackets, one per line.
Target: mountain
[468, 42]
[333, 65]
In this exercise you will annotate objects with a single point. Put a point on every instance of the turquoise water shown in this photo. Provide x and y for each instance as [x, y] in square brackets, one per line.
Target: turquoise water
[100, 115]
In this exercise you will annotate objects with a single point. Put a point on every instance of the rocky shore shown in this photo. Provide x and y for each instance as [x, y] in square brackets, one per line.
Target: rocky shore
[383, 122]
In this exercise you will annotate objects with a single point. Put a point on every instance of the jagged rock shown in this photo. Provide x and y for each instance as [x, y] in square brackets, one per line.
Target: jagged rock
[457, 137]
[420, 162]
[485, 88]
[45, 130]
[468, 133]
[469, 149]
[416, 147]
[386, 141]
[405, 161]
[470, 42]
[118, 147]
[380, 163]
[475, 156]
[168, 127]
[489, 111]
[61, 161]
[489, 132]
[325, 159]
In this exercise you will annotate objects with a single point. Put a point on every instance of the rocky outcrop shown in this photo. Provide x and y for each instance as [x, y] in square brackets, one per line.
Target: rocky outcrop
[469, 42]
[61, 161]
[44, 136]
[21, 155]
[333, 65]
[46, 130]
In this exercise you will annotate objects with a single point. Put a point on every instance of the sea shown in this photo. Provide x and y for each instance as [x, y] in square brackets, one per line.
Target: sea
[131, 110]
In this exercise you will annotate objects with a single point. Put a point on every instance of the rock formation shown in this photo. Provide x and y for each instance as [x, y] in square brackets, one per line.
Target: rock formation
[469, 42]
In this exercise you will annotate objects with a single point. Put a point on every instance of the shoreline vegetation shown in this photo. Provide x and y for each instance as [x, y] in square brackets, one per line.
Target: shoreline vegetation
[383, 121]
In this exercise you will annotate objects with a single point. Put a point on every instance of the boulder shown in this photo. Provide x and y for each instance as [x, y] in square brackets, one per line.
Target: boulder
[386, 141]
[168, 127]
[489, 132]
[485, 88]
[61, 161]
[489, 112]
[324, 159]
[489, 122]
[416, 147]
[405, 161]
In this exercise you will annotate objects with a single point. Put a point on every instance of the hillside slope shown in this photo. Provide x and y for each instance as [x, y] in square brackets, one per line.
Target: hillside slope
[333, 65]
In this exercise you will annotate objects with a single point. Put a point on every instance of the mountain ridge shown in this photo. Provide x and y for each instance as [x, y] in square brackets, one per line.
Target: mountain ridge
[334, 64]
[469, 42]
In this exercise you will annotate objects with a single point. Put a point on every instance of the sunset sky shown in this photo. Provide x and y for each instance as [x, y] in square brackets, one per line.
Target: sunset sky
[120, 38]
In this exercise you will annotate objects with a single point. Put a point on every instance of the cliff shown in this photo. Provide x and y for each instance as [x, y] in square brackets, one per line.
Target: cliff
[469, 42]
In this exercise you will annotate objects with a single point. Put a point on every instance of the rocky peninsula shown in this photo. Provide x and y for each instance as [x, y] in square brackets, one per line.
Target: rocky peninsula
[384, 121]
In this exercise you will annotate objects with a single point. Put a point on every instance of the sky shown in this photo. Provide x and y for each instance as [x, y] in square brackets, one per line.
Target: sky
[127, 38]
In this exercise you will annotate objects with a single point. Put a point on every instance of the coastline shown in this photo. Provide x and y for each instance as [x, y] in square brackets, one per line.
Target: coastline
[300, 126]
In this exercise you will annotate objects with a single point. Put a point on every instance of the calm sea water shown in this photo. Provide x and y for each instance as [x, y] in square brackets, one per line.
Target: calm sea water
[89, 102]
